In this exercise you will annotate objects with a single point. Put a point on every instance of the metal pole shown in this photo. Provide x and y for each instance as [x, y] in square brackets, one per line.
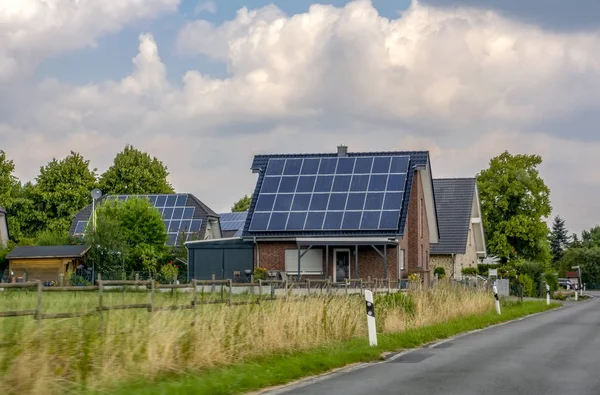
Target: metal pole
[299, 257]
[100, 305]
[356, 263]
[385, 261]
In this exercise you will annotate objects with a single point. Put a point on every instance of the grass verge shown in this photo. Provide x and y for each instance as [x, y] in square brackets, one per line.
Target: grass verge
[286, 367]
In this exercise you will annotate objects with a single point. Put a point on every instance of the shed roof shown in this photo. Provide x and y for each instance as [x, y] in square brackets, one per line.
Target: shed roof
[454, 203]
[64, 251]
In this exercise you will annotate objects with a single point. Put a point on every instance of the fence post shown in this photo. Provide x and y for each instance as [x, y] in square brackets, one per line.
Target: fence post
[100, 305]
[259, 289]
[151, 295]
[61, 280]
[38, 312]
[361, 287]
[230, 289]
[308, 286]
[389, 281]
[213, 286]
[195, 283]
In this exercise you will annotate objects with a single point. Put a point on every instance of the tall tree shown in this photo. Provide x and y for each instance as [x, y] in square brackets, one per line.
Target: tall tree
[559, 239]
[133, 229]
[63, 189]
[135, 172]
[7, 178]
[242, 205]
[514, 202]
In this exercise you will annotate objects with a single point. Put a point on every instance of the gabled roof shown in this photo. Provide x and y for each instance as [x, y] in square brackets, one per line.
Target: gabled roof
[199, 217]
[418, 160]
[454, 203]
[65, 251]
[232, 224]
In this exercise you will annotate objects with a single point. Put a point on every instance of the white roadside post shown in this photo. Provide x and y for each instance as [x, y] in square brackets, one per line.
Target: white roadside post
[371, 318]
[497, 302]
[547, 294]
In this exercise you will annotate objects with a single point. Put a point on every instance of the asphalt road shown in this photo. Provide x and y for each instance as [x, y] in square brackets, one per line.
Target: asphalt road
[556, 352]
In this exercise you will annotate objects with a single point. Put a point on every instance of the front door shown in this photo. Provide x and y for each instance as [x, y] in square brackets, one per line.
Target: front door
[342, 265]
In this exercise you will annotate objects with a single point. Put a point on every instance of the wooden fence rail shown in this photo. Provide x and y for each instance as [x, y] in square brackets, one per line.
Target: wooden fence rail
[312, 286]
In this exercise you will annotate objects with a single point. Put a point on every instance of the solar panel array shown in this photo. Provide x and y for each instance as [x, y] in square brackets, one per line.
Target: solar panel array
[177, 216]
[233, 221]
[329, 194]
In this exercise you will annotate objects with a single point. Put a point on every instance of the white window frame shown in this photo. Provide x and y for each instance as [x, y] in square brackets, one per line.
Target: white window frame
[313, 258]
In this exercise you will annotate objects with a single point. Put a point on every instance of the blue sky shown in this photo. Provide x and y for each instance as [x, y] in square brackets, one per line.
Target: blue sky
[111, 59]
[463, 79]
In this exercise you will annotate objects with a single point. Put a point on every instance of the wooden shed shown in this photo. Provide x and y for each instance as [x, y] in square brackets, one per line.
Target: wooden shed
[44, 263]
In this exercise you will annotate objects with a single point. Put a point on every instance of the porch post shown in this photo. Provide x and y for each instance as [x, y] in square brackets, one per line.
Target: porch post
[356, 263]
[385, 261]
[299, 257]
[327, 261]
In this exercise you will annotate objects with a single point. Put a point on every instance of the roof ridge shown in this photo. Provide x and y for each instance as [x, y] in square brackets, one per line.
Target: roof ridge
[456, 178]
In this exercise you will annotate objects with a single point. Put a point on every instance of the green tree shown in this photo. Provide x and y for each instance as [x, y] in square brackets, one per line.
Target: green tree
[559, 239]
[128, 233]
[8, 181]
[242, 205]
[63, 188]
[514, 202]
[134, 172]
[25, 219]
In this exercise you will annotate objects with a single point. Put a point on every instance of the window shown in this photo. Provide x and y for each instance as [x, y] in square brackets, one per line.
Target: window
[400, 261]
[311, 262]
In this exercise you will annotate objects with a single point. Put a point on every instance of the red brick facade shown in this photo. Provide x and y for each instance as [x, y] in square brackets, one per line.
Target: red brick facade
[415, 243]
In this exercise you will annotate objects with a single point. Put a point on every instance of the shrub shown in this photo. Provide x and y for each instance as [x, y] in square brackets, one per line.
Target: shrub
[469, 271]
[414, 278]
[527, 283]
[440, 271]
[551, 278]
[169, 272]
[260, 273]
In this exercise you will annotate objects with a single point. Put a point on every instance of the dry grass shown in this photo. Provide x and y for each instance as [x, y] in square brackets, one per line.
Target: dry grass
[72, 352]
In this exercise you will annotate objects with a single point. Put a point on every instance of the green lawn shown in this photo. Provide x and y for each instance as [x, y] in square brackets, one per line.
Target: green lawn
[284, 368]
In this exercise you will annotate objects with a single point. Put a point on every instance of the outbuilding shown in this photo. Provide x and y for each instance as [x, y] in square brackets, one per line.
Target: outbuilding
[44, 263]
[230, 258]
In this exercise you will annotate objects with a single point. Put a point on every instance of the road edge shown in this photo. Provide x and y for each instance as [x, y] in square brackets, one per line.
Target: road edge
[388, 357]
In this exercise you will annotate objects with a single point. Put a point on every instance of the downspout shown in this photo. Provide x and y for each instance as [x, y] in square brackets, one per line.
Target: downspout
[453, 266]
[257, 253]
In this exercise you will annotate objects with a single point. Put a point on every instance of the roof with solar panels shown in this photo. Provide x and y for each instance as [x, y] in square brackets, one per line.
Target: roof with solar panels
[335, 194]
[182, 213]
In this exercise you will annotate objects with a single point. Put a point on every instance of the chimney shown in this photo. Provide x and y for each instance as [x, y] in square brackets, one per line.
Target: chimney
[342, 151]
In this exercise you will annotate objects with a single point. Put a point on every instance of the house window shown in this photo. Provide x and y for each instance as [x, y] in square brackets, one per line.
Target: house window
[311, 262]
[400, 260]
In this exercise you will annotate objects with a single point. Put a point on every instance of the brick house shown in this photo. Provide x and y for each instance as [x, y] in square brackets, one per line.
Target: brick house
[343, 215]
[462, 239]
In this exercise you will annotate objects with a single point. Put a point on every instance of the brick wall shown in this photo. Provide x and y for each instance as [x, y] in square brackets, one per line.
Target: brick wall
[271, 256]
[417, 231]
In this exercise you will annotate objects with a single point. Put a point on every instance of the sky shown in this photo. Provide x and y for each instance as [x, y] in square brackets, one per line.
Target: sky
[206, 85]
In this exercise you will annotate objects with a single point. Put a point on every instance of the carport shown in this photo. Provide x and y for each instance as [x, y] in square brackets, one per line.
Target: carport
[231, 258]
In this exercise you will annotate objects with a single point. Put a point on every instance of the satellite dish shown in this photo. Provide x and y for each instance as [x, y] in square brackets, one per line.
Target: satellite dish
[96, 194]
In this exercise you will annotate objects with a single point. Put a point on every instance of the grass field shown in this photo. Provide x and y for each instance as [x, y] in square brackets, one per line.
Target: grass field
[72, 354]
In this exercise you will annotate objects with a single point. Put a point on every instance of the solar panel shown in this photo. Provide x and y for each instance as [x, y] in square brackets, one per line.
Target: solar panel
[349, 193]
[233, 221]
[177, 216]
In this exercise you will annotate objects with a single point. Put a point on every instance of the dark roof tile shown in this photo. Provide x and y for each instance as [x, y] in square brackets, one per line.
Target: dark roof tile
[454, 202]
[65, 251]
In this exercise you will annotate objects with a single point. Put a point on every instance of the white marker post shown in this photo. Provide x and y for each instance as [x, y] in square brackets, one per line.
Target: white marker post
[547, 294]
[576, 293]
[371, 318]
[497, 300]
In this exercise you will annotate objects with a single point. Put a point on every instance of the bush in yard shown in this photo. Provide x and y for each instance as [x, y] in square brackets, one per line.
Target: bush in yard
[440, 271]
[551, 278]
[169, 272]
[260, 273]
[527, 283]
[469, 271]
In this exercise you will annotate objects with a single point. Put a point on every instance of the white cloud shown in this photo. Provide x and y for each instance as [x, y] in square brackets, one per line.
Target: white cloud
[32, 30]
[465, 84]
[208, 6]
